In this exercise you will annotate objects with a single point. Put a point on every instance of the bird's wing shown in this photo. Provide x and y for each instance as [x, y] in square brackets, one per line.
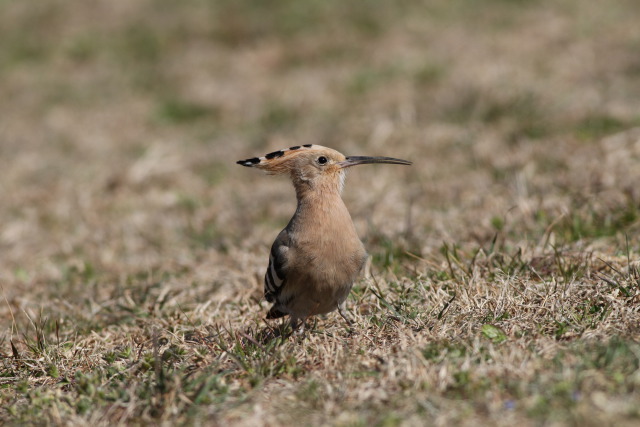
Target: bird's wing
[276, 275]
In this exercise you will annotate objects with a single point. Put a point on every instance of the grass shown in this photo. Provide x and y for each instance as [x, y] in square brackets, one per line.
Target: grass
[504, 277]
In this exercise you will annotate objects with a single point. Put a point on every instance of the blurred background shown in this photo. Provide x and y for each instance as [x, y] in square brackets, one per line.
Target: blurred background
[121, 123]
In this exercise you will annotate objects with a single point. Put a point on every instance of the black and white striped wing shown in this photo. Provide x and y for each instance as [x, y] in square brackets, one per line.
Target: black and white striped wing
[276, 275]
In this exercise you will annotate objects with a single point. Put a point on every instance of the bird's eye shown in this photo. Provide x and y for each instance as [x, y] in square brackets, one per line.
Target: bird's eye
[322, 160]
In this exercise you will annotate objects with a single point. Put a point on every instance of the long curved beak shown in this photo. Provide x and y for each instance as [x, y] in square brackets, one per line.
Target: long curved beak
[363, 160]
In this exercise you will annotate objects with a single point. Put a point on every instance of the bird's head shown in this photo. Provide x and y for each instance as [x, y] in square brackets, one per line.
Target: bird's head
[313, 167]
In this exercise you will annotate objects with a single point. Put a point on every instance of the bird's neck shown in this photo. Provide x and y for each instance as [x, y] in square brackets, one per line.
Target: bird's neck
[310, 192]
[320, 203]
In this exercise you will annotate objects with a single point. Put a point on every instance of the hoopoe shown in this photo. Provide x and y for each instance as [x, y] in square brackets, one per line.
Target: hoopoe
[317, 257]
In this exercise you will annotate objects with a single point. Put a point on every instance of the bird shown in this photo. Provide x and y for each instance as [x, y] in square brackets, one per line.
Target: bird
[317, 257]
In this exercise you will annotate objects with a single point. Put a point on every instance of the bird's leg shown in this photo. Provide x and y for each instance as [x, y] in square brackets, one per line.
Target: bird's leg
[297, 326]
[342, 309]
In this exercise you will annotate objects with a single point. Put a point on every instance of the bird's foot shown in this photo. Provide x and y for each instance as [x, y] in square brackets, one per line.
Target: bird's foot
[297, 327]
[342, 309]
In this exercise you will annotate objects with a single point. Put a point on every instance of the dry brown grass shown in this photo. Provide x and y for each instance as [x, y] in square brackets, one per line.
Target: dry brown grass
[505, 279]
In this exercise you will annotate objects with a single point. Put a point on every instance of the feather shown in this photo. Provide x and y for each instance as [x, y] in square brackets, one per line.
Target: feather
[275, 276]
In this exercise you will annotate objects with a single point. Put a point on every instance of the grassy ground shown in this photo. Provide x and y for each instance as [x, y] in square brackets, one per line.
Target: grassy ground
[504, 284]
